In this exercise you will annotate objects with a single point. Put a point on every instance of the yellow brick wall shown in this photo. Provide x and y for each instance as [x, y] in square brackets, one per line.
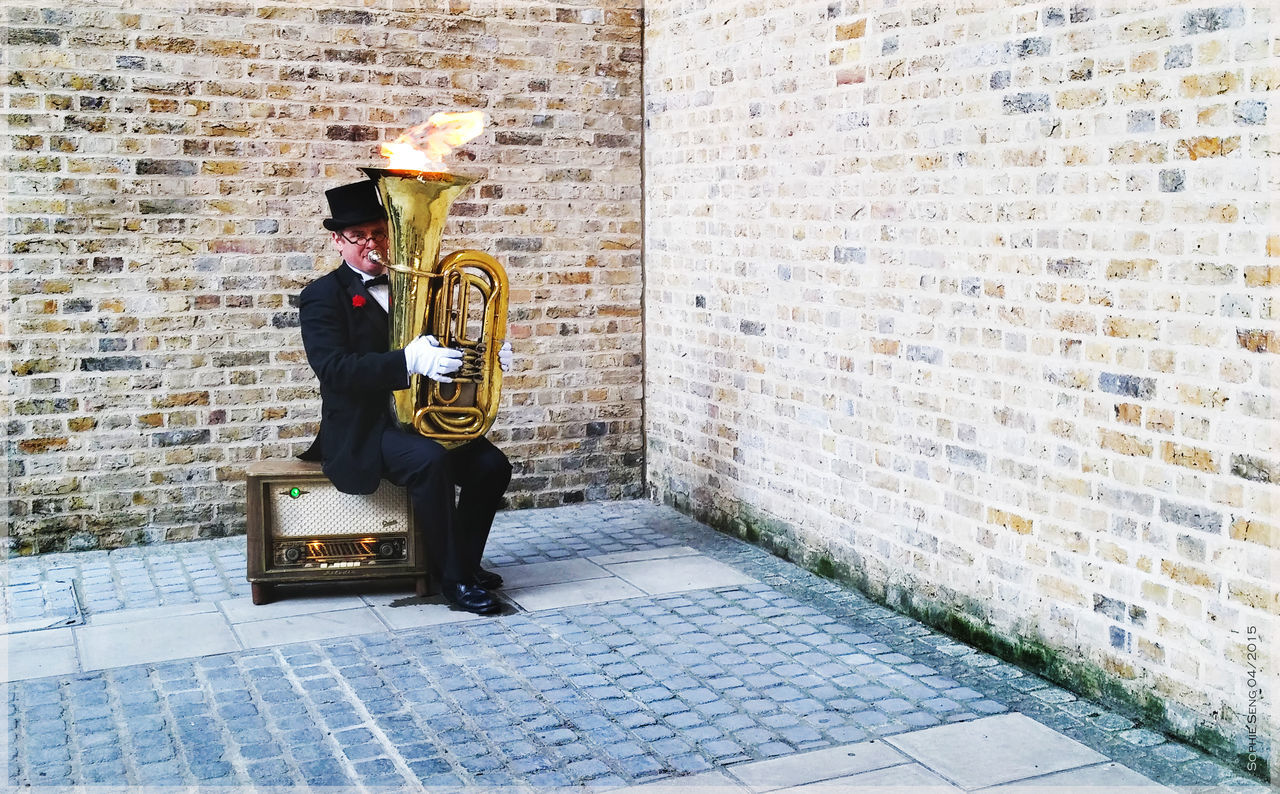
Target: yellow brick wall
[974, 302]
[165, 170]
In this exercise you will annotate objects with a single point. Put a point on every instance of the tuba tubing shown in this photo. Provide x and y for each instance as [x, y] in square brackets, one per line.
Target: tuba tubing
[461, 300]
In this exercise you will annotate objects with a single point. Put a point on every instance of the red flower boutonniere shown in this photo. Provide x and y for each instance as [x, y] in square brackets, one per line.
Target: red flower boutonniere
[357, 301]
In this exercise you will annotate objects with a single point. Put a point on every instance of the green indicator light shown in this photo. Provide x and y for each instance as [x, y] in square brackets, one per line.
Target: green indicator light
[295, 492]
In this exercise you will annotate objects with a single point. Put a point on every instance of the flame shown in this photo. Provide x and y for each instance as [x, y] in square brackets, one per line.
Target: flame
[424, 147]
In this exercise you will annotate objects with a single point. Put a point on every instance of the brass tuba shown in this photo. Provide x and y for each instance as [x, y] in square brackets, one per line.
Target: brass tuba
[461, 300]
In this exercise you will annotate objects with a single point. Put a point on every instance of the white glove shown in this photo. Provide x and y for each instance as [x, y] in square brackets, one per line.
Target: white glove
[504, 356]
[425, 356]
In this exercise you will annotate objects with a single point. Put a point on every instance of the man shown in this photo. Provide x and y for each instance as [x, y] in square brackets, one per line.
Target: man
[345, 333]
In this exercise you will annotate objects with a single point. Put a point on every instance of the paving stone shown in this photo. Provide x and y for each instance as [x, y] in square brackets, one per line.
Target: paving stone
[1111, 722]
[1142, 737]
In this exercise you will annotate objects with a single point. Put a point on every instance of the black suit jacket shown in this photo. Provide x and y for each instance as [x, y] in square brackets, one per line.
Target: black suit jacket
[347, 345]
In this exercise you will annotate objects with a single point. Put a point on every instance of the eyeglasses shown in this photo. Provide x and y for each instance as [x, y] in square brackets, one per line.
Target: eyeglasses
[360, 239]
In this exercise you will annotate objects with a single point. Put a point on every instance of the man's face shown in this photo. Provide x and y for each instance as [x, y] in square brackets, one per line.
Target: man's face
[356, 242]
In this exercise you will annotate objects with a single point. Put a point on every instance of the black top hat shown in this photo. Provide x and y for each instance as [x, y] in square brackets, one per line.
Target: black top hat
[353, 204]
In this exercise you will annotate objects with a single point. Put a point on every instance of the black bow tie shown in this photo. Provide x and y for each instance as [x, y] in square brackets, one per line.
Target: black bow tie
[376, 280]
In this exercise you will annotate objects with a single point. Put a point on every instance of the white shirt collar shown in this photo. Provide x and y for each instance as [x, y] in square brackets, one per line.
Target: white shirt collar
[363, 275]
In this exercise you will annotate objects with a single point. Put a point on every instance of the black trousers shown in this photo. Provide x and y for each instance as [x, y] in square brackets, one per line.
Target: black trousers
[454, 532]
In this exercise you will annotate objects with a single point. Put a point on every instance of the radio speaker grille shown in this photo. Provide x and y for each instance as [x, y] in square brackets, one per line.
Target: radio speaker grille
[318, 510]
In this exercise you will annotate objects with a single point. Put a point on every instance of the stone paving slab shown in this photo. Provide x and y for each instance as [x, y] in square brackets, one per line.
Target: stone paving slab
[1005, 748]
[818, 765]
[665, 689]
[159, 639]
[308, 627]
[676, 574]
[1111, 777]
[567, 594]
[148, 614]
[40, 654]
[914, 778]
[243, 610]
[517, 577]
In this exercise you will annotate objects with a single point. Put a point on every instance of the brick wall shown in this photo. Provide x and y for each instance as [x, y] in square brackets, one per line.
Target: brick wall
[165, 168]
[974, 304]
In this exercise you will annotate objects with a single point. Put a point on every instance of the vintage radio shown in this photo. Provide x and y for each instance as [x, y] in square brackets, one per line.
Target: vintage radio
[303, 529]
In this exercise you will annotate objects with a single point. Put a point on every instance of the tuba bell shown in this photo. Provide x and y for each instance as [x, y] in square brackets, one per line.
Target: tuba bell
[461, 300]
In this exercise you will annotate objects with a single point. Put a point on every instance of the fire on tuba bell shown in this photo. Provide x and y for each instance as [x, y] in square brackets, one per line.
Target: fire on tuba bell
[461, 300]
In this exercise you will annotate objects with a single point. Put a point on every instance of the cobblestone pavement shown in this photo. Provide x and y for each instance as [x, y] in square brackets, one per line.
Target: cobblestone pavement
[604, 695]
[39, 588]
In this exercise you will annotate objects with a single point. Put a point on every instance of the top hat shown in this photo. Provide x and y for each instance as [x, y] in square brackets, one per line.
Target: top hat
[353, 204]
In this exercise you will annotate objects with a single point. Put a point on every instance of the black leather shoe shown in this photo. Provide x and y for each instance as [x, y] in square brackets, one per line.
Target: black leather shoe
[488, 579]
[470, 598]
